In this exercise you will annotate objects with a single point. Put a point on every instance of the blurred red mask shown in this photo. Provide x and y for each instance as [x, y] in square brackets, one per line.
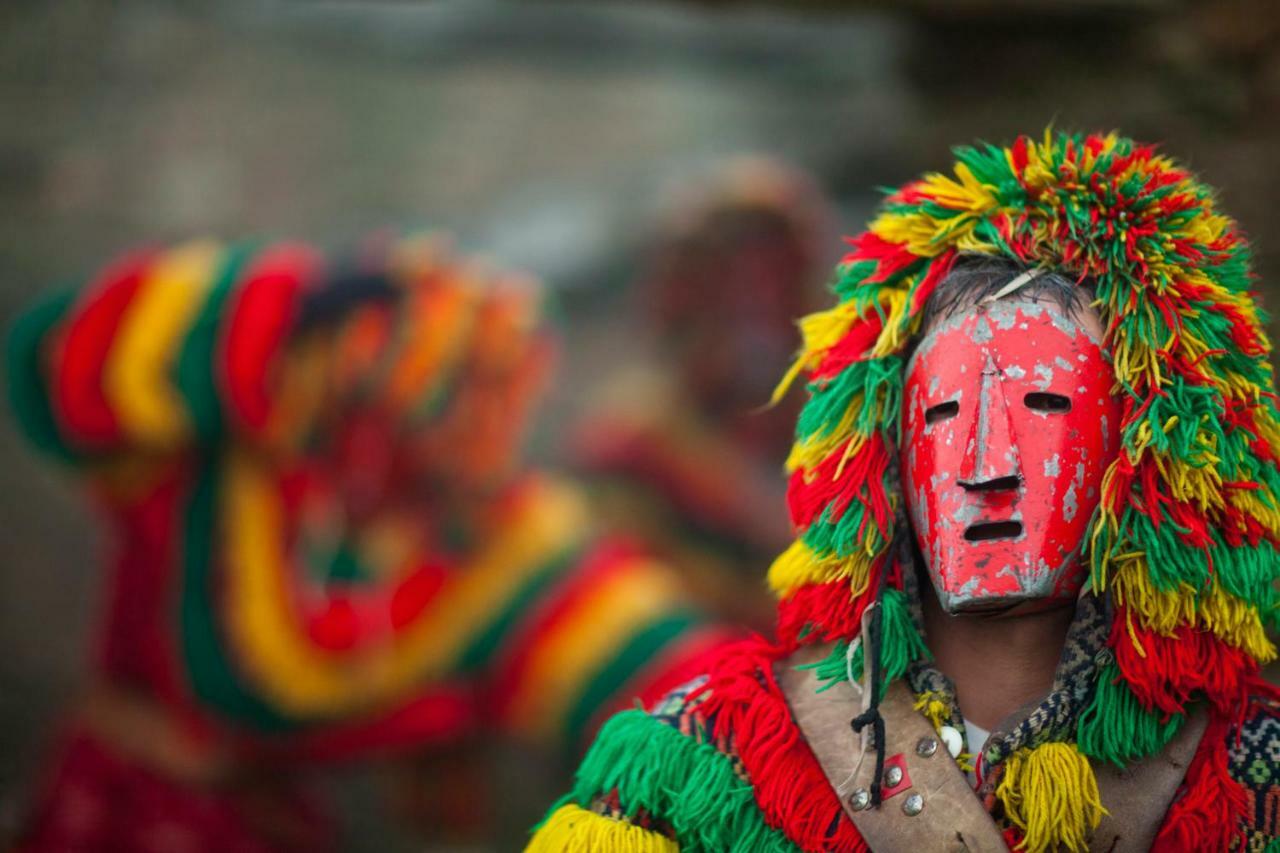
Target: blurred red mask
[1008, 428]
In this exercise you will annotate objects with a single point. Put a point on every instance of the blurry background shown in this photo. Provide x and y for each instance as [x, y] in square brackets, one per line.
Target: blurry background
[546, 135]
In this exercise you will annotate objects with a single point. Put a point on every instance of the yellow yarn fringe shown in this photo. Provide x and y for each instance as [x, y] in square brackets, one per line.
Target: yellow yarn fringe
[573, 829]
[824, 329]
[926, 235]
[819, 331]
[932, 705]
[1050, 792]
[799, 566]
[1234, 621]
[809, 452]
[893, 304]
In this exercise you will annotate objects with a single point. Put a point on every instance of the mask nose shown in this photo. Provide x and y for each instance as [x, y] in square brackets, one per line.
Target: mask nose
[991, 461]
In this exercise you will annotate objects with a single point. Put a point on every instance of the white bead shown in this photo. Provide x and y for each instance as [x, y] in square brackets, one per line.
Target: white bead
[952, 739]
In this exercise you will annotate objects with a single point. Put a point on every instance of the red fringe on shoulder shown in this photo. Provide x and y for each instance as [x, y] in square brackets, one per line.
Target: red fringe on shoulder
[747, 708]
[821, 612]
[1175, 668]
[1208, 811]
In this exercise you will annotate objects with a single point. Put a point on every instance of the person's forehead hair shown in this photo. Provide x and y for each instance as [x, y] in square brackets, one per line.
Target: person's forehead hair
[978, 277]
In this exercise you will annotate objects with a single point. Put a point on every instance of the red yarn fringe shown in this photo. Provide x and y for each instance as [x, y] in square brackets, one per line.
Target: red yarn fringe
[1207, 811]
[257, 326]
[748, 709]
[890, 258]
[1176, 667]
[861, 478]
[849, 349]
[818, 613]
[78, 398]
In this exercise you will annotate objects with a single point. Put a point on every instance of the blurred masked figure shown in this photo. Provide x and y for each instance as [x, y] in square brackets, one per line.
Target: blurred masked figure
[688, 450]
[323, 543]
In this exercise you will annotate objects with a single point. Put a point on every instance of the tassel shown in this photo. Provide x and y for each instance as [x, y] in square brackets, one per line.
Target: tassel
[693, 787]
[1051, 794]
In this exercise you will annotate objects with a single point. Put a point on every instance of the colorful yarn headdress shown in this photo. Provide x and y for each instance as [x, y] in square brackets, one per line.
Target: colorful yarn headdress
[1184, 540]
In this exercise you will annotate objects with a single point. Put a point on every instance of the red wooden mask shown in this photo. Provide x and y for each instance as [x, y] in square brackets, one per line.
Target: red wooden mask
[1008, 427]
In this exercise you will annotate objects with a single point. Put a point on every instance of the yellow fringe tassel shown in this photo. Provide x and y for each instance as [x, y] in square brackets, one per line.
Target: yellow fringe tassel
[1050, 792]
[573, 829]
[809, 452]
[933, 707]
[1234, 621]
[135, 378]
[820, 331]
[799, 566]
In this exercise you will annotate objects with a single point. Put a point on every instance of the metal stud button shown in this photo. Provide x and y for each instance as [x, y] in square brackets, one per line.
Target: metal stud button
[860, 799]
[913, 805]
[927, 746]
[893, 777]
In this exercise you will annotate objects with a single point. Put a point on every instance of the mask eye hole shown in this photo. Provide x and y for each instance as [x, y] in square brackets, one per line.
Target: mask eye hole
[942, 411]
[1041, 401]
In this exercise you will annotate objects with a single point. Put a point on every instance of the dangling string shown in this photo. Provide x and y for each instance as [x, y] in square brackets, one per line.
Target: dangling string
[863, 692]
[871, 695]
[853, 650]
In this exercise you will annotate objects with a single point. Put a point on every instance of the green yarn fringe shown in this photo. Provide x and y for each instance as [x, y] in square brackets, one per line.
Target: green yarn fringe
[688, 785]
[901, 645]
[1116, 727]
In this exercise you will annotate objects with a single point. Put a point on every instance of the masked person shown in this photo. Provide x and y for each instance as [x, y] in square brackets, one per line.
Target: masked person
[324, 541]
[683, 449]
[1034, 489]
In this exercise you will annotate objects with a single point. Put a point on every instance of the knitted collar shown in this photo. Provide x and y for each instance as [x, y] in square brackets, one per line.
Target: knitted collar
[1057, 715]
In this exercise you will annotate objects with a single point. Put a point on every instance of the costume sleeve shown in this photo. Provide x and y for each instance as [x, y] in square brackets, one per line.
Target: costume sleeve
[159, 350]
[611, 626]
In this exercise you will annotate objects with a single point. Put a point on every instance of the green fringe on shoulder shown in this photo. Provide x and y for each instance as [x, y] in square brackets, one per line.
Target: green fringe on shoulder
[690, 786]
[1116, 727]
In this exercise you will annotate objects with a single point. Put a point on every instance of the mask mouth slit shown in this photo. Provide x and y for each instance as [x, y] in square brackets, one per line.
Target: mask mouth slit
[988, 531]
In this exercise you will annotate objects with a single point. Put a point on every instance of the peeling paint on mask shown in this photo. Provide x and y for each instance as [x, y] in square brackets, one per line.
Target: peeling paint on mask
[1053, 465]
[1070, 506]
[982, 331]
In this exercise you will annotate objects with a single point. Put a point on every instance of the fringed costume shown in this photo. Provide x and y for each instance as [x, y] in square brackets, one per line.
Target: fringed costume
[1168, 636]
[323, 543]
